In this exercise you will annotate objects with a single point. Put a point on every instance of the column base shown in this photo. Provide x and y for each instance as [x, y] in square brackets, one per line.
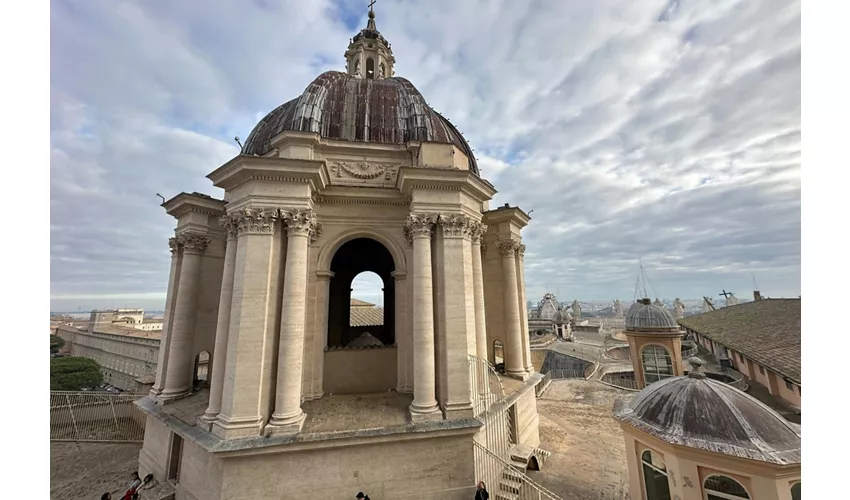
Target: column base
[519, 375]
[234, 428]
[312, 397]
[285, 424]
[459, 410]
[425, 413]
[202, 423]
[168, 396]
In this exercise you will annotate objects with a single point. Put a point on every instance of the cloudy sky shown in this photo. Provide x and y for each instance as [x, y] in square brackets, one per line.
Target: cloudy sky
[663, 130]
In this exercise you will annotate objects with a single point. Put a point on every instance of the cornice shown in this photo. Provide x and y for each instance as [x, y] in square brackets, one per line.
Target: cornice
[185, 203]
[245, 168]
[444, 179]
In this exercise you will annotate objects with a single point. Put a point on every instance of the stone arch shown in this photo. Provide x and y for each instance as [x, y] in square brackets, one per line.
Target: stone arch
[201, 369]
[327, 252]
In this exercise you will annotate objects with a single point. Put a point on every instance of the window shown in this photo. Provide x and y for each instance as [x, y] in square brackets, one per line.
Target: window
[655, 483]
[761, 369]
[795, 491]
[657, 364]
[724, 488]
[789, 385]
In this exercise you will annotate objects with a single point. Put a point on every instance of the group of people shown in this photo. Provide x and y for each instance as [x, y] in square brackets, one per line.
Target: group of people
[480, 493]
[132, 492]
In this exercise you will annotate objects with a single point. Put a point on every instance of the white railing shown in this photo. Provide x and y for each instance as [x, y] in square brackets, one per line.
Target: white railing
[96, 416]
[505, 481]
[486, 386]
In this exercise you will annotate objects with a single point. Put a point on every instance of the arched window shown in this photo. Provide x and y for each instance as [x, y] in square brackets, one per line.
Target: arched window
[655, 482]
[370, 68]
[657, 363]
[796, 491]
[724, 488]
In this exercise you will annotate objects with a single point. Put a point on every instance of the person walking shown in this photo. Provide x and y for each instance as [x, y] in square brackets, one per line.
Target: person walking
[481, 492]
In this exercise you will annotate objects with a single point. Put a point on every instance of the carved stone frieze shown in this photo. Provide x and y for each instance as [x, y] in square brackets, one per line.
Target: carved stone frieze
[360, 171]
[508, 247]
[255, 220]
[301, 222]
[456, 226]
[192, 242]
[419, 225]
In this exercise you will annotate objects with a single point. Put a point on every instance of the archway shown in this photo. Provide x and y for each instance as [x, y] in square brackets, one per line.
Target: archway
[350, 260]
[366, 313]
[201, 371]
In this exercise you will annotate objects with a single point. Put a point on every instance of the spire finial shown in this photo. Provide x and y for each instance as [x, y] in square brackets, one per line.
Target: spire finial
[371, 24]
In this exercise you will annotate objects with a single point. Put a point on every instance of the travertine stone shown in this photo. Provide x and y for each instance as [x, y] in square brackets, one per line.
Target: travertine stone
[178, 374]
[323, 281]
[403, 338]
[167, 320]
[478, 290]
[514, 365]
[288, 416]
[424, 406]
[229, 223]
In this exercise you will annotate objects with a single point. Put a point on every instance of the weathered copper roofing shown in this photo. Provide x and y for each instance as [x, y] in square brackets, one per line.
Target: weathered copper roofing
[646, 315]
[341, 107]
[765, 331]
[702, 413]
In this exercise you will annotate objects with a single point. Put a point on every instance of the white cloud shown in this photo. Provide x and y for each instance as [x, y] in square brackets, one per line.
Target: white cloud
[667, 130]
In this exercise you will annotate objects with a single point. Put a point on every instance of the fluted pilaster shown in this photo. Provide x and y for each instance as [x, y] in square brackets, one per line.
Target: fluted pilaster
[514, 365]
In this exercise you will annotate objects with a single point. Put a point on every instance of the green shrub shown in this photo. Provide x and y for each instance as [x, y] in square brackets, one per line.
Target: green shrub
[72, 374]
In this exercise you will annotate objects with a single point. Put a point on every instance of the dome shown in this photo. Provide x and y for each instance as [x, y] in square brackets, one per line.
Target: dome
[342, 107]
[646, 316]
[699, 412]
[561, 316]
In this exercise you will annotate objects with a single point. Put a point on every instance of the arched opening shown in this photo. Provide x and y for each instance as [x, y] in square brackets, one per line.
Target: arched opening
[201, 372]
[533, 464]
[360, 334]
[796, 491]
[498, 353]
[657, 363]
[724, 488]
[370, 68]
[366, 313]
[655, 484]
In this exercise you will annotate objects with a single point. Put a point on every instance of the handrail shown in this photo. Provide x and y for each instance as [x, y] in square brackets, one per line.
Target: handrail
[525, 479]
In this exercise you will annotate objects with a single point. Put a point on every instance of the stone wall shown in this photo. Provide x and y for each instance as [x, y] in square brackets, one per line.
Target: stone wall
[360, 371]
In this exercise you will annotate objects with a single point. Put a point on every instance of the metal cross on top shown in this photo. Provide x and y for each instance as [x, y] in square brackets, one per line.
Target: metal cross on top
[371, 4]
[725, 294]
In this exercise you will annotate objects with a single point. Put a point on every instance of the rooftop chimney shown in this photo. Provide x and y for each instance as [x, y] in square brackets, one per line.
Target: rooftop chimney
[756, 295]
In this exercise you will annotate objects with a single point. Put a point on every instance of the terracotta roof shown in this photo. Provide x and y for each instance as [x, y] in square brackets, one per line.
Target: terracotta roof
[702, 413]
[766, 331]
[361, 303]
[367, 316]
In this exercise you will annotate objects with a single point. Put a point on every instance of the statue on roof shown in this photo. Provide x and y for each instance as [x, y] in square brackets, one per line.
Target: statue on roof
[679, 306]
[618, 309]
[658, 302]
[576, 309]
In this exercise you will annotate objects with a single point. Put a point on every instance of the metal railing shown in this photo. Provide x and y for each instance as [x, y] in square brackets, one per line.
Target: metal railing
[96, 417]
[486, 386]
[540, 388]
[506, 481]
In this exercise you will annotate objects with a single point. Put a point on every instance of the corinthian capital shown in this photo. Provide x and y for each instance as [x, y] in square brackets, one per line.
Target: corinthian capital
[419, 226]
[456, 226]
[520, 252]
[301, 222]
[230, 223]
[192, 242]
[508, 247]
[255, 220]
[174, 245]
[477, 229]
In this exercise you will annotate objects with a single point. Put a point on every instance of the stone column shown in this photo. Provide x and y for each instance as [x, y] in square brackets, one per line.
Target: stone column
[323, 295]
[424, 405]
[523, 309]
[288, 416]
[514, 365]
[173, 279]
[178, 374]
[222, 327]
[402, 335]
[478, 290]
[458, 302]
[244, 384]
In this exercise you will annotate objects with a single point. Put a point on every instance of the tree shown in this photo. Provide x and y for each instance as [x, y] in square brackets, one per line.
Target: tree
[73, 374]
[56, 343]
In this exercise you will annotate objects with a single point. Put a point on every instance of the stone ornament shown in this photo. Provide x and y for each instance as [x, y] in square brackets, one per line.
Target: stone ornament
[508, 247]
[364, 170]
[419, 226]
[230, 224]
[476, 230]
[301, 222]
[520, 252]
[255, 220]
[191, 242]
[174, 246]
[456, 226]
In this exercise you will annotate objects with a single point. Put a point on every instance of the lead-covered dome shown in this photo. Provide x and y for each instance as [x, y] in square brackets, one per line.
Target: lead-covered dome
[644, 315]
[702, 413]
[343, 107]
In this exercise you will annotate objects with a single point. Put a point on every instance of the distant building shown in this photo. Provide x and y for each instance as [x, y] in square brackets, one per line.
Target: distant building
[760, 339]
[133, 318]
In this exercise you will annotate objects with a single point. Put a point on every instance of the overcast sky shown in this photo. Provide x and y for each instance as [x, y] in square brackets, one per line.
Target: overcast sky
[663, 130]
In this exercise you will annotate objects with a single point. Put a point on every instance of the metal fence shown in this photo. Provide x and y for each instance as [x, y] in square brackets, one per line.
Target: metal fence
[622, 380]
[96, 417]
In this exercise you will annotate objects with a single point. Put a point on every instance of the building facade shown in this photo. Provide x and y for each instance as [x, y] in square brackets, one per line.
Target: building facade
[356, 174]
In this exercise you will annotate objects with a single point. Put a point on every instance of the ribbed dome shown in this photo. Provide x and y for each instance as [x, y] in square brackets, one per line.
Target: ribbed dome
[647, 316]
[702, 413]
[341, 107]
[561, 317]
